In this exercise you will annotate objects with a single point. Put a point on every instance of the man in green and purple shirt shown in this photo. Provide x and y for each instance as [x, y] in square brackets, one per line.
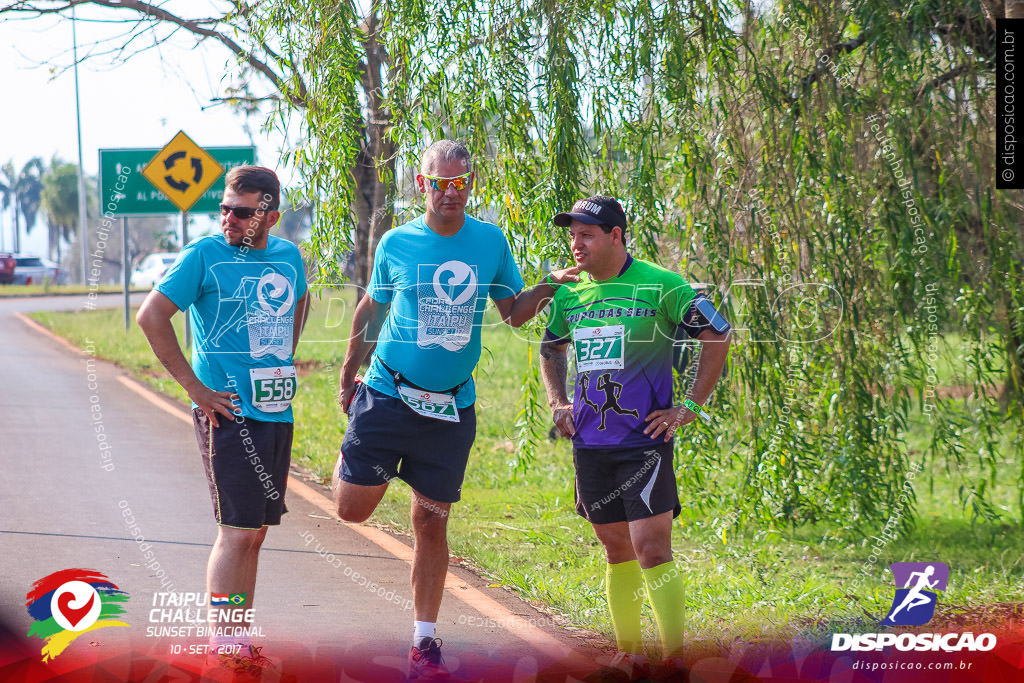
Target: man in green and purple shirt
[621, 319]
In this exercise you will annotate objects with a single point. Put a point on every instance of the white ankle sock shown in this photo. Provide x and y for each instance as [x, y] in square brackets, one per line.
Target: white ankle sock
[421, 630]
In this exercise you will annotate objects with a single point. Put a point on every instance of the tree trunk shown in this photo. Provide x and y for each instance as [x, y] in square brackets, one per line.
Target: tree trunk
[17, 227]
[365, 176]
[374, 170]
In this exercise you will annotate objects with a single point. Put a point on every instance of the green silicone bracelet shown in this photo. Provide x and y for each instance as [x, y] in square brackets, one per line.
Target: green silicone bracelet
[695, 407]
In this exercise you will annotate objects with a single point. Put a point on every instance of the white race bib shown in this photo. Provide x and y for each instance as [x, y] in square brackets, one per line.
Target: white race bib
[430, 403]
[273, 388]
[599, 348]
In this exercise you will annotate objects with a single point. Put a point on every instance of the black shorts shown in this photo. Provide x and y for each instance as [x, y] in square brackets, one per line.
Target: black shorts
[246, 465]
[386, 439]
[623, 484]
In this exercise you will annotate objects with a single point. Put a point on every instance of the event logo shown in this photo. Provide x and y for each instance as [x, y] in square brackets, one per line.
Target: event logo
[446, 304]
[277, 286]
[256, 300]
[449, 277]
[68, 603]
[914, 603]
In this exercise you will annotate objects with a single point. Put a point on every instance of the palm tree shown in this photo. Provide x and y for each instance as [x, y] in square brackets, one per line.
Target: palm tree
[60, 201]
[24, 190]
[8, 180]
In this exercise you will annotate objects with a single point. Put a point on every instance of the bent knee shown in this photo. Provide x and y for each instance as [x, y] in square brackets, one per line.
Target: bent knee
[353, 514]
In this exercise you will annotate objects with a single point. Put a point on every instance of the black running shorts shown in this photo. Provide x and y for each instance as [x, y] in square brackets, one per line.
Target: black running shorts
[623, 484]
[246, 465]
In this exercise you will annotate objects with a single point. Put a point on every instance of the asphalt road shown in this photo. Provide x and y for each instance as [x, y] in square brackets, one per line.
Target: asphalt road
[331, 597]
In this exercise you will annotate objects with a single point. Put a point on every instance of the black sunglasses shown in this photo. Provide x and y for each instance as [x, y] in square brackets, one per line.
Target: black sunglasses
[242, 212]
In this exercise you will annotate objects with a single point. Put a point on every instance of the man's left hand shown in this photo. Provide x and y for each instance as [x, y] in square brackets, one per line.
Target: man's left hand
[664, 423]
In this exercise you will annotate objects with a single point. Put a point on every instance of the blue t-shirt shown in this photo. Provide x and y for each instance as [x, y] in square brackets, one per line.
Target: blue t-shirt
[437, 287]
[241, 302]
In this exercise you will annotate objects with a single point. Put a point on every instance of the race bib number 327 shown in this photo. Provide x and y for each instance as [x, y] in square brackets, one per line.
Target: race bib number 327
[598, 348]
[273, 388]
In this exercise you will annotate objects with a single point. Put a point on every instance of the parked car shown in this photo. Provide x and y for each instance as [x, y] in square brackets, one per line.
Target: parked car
[151, 269]
[33, 270]
[7, 266]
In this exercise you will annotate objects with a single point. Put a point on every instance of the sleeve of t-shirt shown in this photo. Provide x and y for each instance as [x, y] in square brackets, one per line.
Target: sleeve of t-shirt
[381, 289]
[558, 328]
[677, 300]
[183, 281]
[508, 281]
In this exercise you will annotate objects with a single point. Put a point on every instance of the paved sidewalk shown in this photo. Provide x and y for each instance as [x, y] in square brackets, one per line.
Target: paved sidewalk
[70, 494]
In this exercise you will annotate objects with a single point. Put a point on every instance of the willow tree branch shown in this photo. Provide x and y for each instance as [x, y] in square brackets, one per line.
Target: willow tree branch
[838, 49]
[939, 80]
[198, 27]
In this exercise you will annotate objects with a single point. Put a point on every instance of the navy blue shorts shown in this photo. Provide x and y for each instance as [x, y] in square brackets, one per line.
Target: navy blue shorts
[624, 484]
[386, 439]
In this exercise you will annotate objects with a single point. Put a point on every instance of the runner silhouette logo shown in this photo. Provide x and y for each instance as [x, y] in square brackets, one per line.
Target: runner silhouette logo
[914, 602]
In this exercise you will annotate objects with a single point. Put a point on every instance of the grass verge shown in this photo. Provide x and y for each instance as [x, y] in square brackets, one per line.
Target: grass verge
[49, 289]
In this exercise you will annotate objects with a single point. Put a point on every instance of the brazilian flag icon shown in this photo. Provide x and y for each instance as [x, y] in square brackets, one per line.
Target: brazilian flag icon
[237, 598]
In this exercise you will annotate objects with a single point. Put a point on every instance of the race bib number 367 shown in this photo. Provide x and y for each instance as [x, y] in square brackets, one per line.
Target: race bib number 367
[273, 388]
[598, 348]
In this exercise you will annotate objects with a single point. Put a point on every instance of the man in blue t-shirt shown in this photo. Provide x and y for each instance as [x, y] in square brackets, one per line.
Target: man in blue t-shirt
[412, 416]
[245, 293]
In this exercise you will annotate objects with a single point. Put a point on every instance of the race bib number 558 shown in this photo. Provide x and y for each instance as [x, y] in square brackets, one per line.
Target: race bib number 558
[598, 348]
[273, 388]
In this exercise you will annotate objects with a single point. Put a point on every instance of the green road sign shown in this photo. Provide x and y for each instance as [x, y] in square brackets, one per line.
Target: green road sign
[124, 191]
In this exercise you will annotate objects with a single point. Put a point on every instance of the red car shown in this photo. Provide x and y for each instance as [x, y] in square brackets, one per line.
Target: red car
[7, 265]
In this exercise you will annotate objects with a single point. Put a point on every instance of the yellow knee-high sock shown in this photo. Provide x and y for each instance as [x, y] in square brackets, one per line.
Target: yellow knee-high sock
[665, 589]
[623, 584]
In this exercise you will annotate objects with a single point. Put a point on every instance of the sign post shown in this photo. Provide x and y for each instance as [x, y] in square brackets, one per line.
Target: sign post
[125, 268]
[184, 189]
[184, 174]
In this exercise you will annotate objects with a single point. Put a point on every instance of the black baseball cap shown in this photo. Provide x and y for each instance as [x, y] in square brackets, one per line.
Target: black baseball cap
[596, 210]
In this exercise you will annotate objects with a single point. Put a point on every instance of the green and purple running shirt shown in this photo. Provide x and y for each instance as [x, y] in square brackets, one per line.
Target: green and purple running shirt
[621, 332]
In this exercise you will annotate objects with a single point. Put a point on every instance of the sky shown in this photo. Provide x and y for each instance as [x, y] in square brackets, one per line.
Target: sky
[139, 101]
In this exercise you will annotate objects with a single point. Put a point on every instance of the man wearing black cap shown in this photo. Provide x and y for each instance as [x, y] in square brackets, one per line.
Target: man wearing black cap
[621, 318]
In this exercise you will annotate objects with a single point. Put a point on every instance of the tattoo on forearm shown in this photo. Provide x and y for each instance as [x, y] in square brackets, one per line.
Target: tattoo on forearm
[554, 365]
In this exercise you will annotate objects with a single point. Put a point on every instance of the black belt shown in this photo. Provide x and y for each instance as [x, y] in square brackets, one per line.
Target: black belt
[402, 379]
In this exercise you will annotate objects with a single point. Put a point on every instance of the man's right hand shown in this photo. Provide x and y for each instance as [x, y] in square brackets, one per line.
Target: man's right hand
[346, 391]
[562, 417]
[212, 402]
